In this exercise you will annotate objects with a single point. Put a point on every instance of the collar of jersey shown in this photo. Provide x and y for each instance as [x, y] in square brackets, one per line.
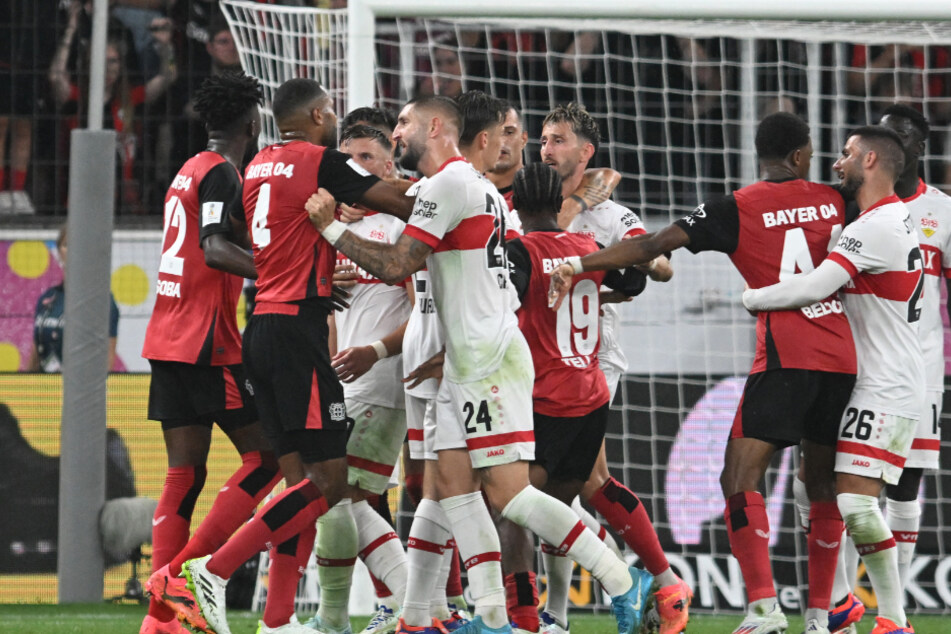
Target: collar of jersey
[452, 160]
[922, 188]
[884, 201]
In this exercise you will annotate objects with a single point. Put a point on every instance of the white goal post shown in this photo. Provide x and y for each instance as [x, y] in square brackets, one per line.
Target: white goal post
[677, 88]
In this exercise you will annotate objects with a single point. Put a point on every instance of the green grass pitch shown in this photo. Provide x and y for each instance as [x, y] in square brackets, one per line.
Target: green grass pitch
[125, 619]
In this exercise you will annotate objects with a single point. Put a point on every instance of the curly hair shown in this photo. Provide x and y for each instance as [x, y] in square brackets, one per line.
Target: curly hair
[582, 123]
[223, 100]
[536, 190]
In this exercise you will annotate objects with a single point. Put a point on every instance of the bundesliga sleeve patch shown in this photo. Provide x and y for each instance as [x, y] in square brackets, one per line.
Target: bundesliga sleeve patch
[211, 213]
[357, 168]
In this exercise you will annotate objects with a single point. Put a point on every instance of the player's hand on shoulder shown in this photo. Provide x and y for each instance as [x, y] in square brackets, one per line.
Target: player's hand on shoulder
[431, 369]
[320, 207]
[560, 285]
[353, 363]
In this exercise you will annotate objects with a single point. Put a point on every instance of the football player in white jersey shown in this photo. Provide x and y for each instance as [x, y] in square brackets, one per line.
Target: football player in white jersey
[931, 213]
[877, 265]
[367, 360]
[484, 403]
[569, 140]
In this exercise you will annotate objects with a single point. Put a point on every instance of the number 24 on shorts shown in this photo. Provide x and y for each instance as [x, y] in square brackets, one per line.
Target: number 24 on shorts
[482, 417]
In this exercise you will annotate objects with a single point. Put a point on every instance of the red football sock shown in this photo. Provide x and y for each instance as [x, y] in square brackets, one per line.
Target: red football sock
[748, 528]
[283, 517]
[454, 582]
[413, 485]
[824, 539]
[235, 503]
[624, 512]
[171, 521]
[288, 562]
[521, 600]
[18, 182]
[381, 590]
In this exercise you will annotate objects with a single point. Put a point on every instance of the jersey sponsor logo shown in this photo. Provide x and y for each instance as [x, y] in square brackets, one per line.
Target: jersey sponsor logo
[211, 213]
[798, 215]
[425, 208]
[168, 288]
[929, 226]
[264, 170]
[181, 182]
[850, 245]
[821, 309]
[629, 219]
[337, 411]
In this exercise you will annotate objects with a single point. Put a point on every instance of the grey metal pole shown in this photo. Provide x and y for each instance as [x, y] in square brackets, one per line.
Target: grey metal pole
[82, 485]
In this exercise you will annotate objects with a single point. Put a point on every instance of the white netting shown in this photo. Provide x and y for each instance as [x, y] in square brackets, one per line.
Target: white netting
[677, 102]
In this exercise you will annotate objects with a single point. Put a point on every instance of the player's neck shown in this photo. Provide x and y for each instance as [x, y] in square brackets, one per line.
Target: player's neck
[907, 183]
[777, 171]
[231, 149]
[872, 191]
[570, 185]
[437, 154]
[542, 223]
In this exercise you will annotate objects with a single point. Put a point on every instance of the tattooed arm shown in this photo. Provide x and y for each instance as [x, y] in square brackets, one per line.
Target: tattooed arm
[596, 186]
[391, 263]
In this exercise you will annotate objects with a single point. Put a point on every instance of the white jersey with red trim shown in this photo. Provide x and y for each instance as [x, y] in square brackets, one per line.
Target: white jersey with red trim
[882, 301]
[462, 216]
[608, 223]
[930, 210]
[376, 310]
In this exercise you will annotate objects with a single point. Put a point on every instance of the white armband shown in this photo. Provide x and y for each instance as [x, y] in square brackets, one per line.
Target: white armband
[575, 262]
[333, 231]
[380, 349]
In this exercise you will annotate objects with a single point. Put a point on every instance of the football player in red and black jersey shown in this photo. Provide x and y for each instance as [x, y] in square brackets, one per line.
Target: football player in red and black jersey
[804, 367]
[194, 347]
[285, 351]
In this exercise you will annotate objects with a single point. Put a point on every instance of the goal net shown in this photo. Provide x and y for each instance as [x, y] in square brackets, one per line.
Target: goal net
[677, 102]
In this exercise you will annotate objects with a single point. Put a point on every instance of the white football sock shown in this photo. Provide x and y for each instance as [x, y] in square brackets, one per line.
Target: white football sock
[439, 604]
[479, 548]
[427, 538]
[557, 524]
[875, 544]
[558, 568]
[903, 519]
[381, 550]
[336, 554]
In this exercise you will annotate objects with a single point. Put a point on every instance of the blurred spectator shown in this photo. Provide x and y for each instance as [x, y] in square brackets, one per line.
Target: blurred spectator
[189, 136]
[445, 77]
[48, 321]
[122, 99]
[138, 16]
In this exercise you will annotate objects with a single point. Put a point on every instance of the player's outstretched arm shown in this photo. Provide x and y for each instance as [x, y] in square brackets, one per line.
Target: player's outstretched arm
[391, 263]
[389, 199]
[637, 250]
[354, 362]
[798, 291]
[596, 186]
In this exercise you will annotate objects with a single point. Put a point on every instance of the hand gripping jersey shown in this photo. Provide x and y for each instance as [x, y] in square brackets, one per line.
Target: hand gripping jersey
[462, 217]
[293, 260]
[376, 310]
[564, 344]
[772, 230]
[880, 251]
[195, 318]
[608, 223]
[931, 212]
